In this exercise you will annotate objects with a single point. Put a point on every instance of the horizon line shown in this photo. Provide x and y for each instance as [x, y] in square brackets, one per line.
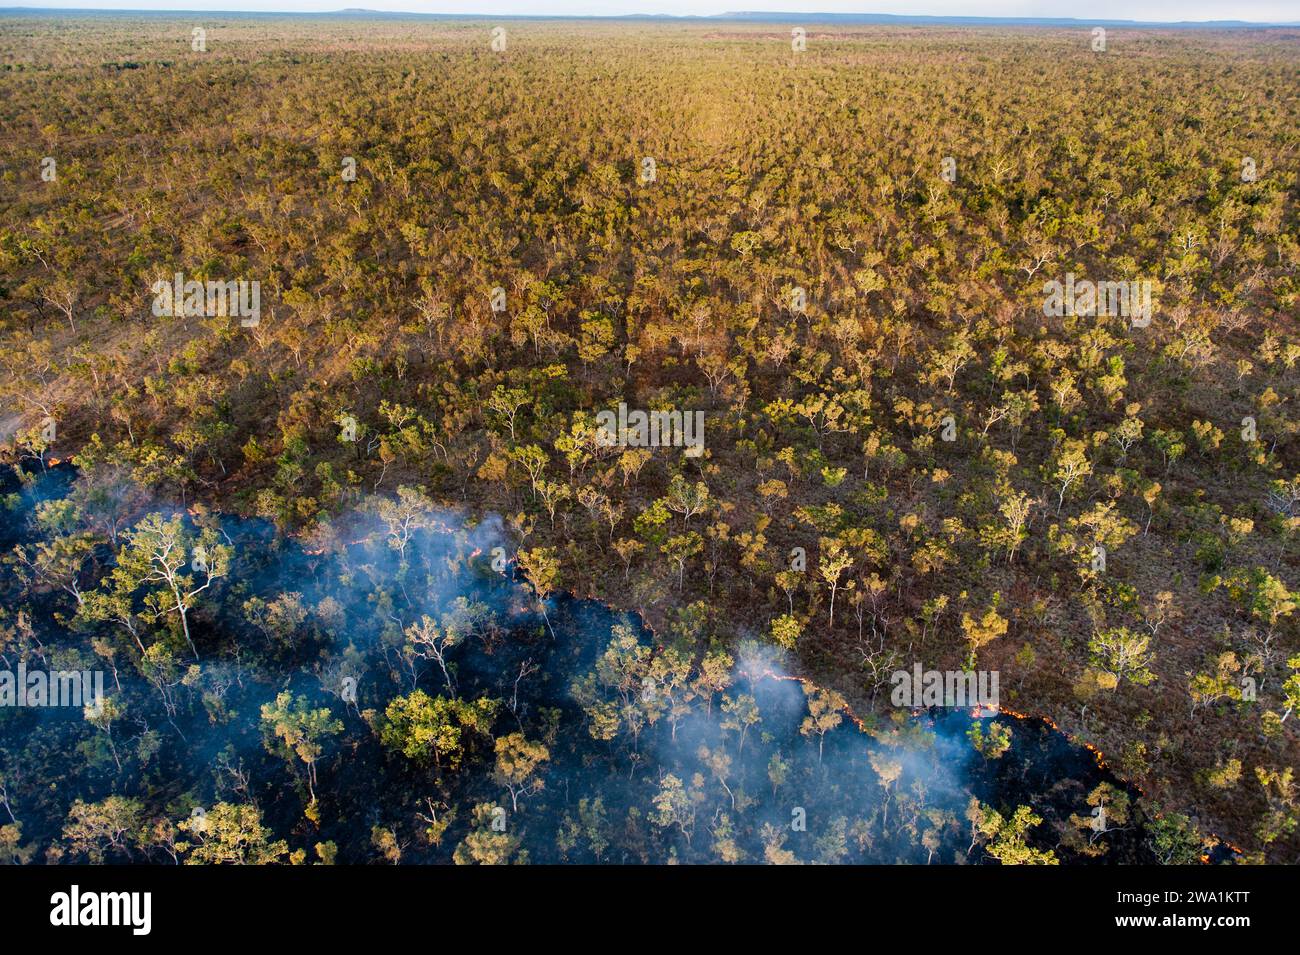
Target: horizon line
[775, 16]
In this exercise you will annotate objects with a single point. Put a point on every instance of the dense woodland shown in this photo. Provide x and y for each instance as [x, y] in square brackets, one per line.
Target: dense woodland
[905, 460]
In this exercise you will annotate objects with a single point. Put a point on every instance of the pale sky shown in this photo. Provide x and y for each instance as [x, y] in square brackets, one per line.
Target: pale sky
[1150, 10]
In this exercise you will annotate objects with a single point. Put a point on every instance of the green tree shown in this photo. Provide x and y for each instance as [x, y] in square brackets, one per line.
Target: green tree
[58, 560]
[489, 843]
[825, 712]
[518, 764]
[835, 559]
[1068, 466]
[542, 570]
[1007, 838]
[1124, 654]
[433, 729]
[293, 728]
[230, 834]
[109, 828]
[153, 562]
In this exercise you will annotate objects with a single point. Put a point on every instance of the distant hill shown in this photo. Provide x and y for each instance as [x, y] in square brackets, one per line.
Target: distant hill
[776, 17]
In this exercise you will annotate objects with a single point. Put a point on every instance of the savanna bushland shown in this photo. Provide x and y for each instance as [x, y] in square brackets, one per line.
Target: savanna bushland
[368, 583]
